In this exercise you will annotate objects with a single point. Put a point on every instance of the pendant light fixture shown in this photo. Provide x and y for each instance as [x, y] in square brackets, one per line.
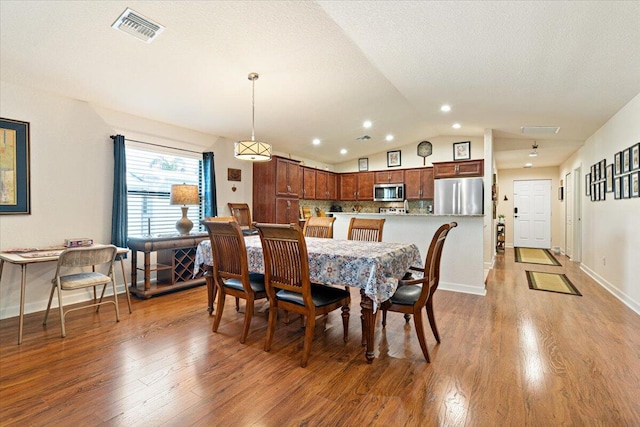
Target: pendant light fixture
[534, 152]
[252, 150]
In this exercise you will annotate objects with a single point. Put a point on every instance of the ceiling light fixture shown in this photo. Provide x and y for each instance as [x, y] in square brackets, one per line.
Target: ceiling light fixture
[528, 165]
[252, 150]
[445, 108]
[366, 124]
[343, 151]
[389, 137]
[534, 152]
[456, 126]
[316, 141]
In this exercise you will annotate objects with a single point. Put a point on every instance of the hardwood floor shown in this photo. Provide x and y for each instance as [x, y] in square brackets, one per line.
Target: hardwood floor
[514, 357]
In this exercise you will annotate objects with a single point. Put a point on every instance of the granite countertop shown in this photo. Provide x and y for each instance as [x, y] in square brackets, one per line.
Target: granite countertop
[405, 214]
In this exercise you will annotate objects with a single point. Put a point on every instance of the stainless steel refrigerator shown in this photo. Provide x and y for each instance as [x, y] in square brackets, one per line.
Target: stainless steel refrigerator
[460, 196]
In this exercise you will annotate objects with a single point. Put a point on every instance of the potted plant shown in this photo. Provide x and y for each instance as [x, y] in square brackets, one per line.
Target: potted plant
[500, 219]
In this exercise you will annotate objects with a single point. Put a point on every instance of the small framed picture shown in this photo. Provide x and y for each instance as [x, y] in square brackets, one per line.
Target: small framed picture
[626, 164]
[363, 164]
[603, 190]
[626, 193]
[393, 158]
[617, 183]
[560, 193]
[594, 192]
[635, 184]
[587, 184]
[234, 174]
[618, 162]
[603, 168]
[609, 178]
[462, 150]
[635, 157]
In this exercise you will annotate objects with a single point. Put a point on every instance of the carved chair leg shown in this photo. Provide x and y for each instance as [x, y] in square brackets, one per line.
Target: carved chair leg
[432, 319]
[345, 321]
[417, 319]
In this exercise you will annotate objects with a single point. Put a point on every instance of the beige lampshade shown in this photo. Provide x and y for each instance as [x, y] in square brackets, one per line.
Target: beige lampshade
[184, 194]
[252, 150]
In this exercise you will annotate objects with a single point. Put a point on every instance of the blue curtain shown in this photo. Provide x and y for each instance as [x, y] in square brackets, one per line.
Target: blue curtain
[119, 212]
[209, 190]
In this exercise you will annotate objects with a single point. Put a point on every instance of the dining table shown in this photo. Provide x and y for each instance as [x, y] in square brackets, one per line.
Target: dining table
[373, 267]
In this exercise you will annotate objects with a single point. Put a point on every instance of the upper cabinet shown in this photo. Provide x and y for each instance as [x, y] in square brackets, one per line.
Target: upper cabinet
[326, 185]
[287, 177]
[418, 183]
[356, 186]
[308, 183]
[458, 169]
[389, 177]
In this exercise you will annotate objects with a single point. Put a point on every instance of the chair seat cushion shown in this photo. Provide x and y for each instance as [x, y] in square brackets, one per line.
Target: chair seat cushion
[256, 281]
[320, 294]
[83, 280]
[407, 294]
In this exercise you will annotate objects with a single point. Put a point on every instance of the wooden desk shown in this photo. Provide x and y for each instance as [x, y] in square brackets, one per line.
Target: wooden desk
[174, 267]
[23, 261]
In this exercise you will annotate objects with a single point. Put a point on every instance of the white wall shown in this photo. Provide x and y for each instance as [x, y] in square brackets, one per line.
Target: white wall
[72, 180]
[610, 230]
[442, 152]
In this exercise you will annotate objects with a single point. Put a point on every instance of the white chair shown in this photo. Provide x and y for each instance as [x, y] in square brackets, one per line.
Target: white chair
[72, 259]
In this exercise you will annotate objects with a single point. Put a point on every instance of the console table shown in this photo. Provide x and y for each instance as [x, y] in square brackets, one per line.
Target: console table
[175, 263]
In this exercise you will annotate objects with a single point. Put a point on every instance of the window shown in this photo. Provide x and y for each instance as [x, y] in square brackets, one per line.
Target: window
[150, 173]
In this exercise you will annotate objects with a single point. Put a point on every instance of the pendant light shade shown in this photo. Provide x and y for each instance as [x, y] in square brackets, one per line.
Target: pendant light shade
[252, 150]
[534, 152]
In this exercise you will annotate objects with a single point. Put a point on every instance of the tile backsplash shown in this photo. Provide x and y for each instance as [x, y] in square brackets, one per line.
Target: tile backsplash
[415, 206]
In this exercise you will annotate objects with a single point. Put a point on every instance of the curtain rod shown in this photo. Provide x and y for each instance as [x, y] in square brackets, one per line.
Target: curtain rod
[158, 145]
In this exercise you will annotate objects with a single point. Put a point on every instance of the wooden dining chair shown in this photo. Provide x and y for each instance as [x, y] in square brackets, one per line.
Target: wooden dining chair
[365, 229]
[242, 214]
[412, 295]
[289, 286]
[71, 274]
[319, 226]
[230, 273]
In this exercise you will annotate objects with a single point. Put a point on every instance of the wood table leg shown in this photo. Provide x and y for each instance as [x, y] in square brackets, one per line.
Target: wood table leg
[369, 321]
[147, 271]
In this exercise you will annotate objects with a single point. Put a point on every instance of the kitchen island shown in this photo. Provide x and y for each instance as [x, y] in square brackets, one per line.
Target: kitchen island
[462, 268]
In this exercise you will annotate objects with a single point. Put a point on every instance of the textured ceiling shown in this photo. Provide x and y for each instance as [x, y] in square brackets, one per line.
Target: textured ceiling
[327, 66]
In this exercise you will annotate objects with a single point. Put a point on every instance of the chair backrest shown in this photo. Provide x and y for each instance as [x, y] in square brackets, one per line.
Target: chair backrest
[228, 249]
[432, 263]
[369, 230]
[87, 257]
[319, 226]
[286, 260]
[242, 214]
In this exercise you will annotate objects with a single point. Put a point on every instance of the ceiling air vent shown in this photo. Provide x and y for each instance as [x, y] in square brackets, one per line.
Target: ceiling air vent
[539, 130]
[363, 138]
[138, 26]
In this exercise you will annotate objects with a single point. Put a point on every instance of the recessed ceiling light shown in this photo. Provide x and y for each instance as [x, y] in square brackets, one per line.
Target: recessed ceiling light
[366, 124]
[316, 141]
[389, 137]
[528, 165]
[445, 108]
[343, 151]
[456, 126]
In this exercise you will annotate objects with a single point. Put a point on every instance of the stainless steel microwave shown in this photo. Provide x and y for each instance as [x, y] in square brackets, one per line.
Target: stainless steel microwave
[388, 192]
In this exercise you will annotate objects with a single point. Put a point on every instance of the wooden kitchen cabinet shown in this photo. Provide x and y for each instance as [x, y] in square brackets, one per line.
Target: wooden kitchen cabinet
[458, 169]
[389, 177]
[325, 185]
[348, 186]
[276, 188]
[357, 186]
[308, 186]
[418, 183]
[365, 186]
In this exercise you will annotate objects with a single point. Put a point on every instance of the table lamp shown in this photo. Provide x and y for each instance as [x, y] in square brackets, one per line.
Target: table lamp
[184, 194]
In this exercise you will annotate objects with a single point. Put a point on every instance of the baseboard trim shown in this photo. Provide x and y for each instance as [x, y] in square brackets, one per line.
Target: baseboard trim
[624, 298]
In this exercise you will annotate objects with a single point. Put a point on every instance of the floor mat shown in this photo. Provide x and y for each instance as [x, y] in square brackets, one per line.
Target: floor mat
[535, 256]
[551, 282]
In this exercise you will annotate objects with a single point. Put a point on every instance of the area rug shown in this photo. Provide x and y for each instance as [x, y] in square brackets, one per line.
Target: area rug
[551, 282]
[535, 256]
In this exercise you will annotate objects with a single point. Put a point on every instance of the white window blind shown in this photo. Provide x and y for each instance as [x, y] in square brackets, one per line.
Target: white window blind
[150, 173]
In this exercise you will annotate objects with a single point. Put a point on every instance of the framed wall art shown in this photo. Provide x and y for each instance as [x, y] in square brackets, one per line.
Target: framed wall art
[393, 158]
[635, 184]
[14, 167]
[363, 164]
[617, 183]
[234, 174]
[609, 178]
[462, 150]
[625, 156]
[635, 157]
[587, 184]
[618, 162]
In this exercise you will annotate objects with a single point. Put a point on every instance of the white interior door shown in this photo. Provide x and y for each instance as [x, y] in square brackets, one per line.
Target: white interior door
[532, 214]
[568, 226]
